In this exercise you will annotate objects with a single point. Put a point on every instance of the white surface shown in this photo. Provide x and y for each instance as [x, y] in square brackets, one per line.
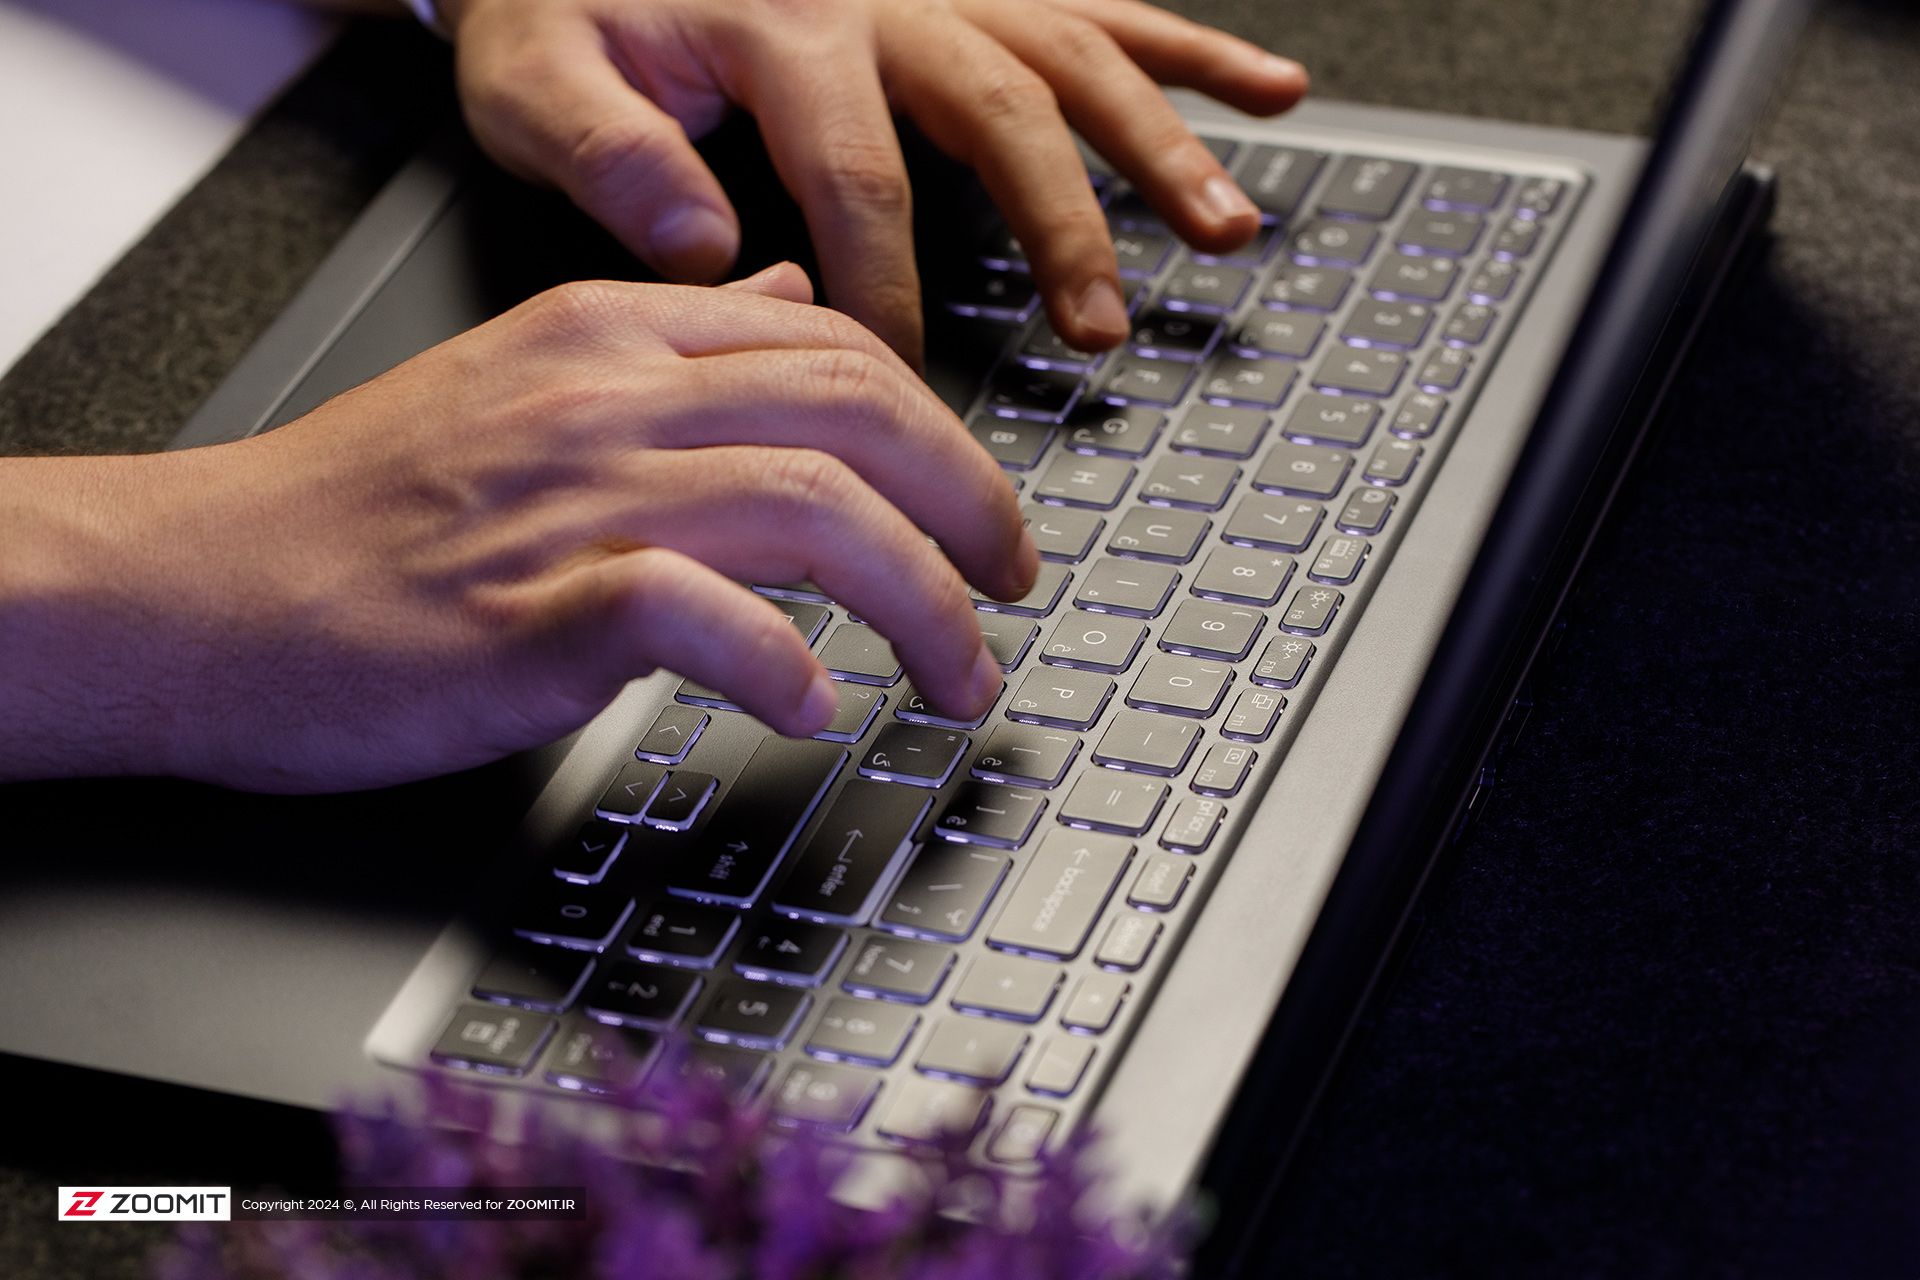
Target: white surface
[109, 111]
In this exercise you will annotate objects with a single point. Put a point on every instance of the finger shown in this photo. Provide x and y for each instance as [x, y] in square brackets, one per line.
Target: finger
[618, 618]
[783, 280]
[882, 423]
[1175, 50]
[777, 515]
[980, 104]
[830, 134]
[559, 110]
[1117, 108]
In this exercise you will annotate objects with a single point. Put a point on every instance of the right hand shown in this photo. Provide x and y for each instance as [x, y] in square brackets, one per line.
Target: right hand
[475, 552]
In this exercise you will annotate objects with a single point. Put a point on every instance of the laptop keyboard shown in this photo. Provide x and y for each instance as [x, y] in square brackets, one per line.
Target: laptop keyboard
[912, 924]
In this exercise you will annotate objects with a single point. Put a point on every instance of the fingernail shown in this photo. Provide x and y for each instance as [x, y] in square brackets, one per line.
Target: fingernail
[823, 699]
[1102, 311]
[694, 234]
[1282, 68]
[1225, 201]
[987, 680]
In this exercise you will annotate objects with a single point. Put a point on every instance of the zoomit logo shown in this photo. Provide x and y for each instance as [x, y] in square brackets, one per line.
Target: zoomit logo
[146, 1204]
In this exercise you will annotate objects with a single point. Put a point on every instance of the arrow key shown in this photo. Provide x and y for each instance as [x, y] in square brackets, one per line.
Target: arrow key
[680, 799]
[672, 735]
[626, 797]
[586, 858]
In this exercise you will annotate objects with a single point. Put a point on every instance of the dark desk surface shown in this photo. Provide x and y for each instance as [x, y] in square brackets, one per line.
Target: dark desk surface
[1664, 1016]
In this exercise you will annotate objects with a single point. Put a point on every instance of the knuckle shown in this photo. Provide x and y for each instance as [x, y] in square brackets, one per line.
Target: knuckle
[580, 308]
[807, 483]
[1013, 94]
[1081, 43]
[868, 175]
[612, 158]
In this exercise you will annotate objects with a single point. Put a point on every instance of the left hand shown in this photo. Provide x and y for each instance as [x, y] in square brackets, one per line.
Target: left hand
[600, 97]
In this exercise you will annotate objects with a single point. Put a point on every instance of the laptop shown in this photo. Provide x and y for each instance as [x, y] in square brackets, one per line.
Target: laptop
[1303, 537]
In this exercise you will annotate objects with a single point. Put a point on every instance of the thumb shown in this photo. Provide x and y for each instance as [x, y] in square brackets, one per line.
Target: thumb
[783, 280]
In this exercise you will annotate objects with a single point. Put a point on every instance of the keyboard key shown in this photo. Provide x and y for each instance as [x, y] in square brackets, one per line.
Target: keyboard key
[1048, 585]
[981, 813]
[993, 295]
[1121, 431]
[1312, 610]
[624, 800]
[679, 801]
[1538, 196]
[802, 592]
[1246, 575]
[1045, 349]
[1468, 325]
[1493, 281]
[1360, 370]
[933, 1111]
[1023, 754]
[1129, 942]
[1079, 481]
[492, 1040]
[898, 969]
[687, 934]
[862, 1031]
[672, 734]
[1275, 178]
[1094, 642]
[1205, 287]
[1006, 638]
[1014, 444]
[1435, 232]
[1180, 480]
[1364, 187]
[1411, 279]
[1471, 190]
[1253, 715]
[918, 755]
[1022, 1136]
[945, 891]
[753, 1015]
[1283, 662]
[1339, 560]
[696, 694]
[757, 820]
[1273, 522]
[735, 1071]
[1141, 252]
[1223, 770]
[1287, 334]
[1392, 463]
[1251, 254]
[1333, 242]
[824, 1097]
[1325, 419]
[790, 952]
[1161, 882]
[1182, 686]
[1419, 414]
[1366, 511]
[1206, 629]
[1136, 587]
[1221, 431]
[530, 976]
[1261, 384]
[1304, 470]
[1223, 149]
[1308, 288]
[1137, 379]
[1445, 369]
[1061, 893]
[857, 707]
[1043, 395]
[1064, 699]
[641, 995]
[579, 917]
[590, 853]
[1097, 999]
[914, 709]
[1141, 742]
[852, 852]
[589, 1057]
[1109, 801]
[1060, 1065]
[1399, 325]
[1062, 533]
[1516, 238]
[998, 986]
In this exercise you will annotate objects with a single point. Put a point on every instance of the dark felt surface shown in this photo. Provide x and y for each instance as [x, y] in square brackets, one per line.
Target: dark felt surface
[1664, 1014]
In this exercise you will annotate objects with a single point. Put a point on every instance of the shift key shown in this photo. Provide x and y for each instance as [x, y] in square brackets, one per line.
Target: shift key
[756, 821]
[1066, 886]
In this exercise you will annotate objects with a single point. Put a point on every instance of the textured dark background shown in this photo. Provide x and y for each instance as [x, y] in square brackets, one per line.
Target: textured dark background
[1663, 1017]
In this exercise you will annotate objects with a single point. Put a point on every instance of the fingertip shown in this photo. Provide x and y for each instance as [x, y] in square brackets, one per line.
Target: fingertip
[1099, 317]
[693, 243]
[817, 708]
[784, 280]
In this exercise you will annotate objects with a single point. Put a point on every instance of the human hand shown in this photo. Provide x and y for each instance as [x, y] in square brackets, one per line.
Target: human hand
[473, 553]
[599, 98]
